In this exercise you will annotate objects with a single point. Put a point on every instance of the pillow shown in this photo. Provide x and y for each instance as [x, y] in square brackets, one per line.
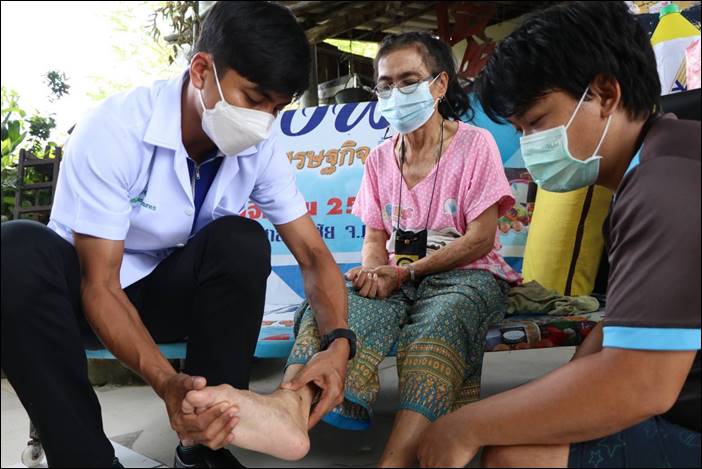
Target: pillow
[565, 242]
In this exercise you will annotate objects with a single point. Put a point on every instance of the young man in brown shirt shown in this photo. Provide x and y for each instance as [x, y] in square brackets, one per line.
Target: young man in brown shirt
[579, 81]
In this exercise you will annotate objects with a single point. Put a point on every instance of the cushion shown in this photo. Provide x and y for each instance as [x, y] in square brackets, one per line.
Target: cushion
[565, 242]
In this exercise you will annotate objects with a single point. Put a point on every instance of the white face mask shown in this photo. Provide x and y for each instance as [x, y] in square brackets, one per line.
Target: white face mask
[232, 128]
[408, 112]
[548, 158]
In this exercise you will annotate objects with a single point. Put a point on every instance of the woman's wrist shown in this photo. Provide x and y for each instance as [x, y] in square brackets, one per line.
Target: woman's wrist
[403, 274]
[368, 266]
[410, 272]
[398, 276]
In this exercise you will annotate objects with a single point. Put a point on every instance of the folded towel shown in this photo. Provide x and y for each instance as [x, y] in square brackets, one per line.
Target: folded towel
[533, 298]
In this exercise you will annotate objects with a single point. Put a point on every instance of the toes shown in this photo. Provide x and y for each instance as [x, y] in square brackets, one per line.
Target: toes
[203, 398]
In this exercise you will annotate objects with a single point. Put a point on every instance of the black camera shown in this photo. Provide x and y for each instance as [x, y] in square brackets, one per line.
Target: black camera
[410, 246]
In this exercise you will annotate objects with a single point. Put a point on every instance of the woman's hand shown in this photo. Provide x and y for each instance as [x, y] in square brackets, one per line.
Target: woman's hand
[362, 279]
[388, 278]
[354, 273]
[379, 282]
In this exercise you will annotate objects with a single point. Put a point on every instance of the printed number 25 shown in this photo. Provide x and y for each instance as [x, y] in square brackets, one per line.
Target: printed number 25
[336, 204]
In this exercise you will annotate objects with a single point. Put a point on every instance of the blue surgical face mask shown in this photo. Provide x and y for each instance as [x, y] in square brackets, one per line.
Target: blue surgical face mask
[550, 162]
[408, 112]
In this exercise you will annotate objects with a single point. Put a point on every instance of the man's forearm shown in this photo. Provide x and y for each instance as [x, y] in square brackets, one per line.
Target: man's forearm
[118, 325]
[585, 399]
[324, 283]
[592, 343]
[324, 287]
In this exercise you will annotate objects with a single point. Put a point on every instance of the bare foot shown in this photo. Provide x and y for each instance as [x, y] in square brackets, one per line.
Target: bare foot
[275, 424]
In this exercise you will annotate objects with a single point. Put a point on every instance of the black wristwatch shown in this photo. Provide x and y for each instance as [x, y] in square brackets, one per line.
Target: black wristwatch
[340, 334]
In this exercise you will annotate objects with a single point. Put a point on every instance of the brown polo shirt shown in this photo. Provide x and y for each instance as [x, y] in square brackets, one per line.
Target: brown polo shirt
[653, 241]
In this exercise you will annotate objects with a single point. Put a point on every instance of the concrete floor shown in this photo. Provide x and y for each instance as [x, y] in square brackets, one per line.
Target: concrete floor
[134, 417]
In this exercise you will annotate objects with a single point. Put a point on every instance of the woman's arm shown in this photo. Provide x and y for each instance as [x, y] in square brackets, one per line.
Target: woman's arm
[374, 254]
[477, 242]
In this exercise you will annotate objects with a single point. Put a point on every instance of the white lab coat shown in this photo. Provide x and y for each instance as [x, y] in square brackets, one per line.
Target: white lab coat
[124, 176]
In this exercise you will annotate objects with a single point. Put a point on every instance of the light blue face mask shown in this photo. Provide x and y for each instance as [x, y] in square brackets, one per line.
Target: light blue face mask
[408, 112]
[550, 162]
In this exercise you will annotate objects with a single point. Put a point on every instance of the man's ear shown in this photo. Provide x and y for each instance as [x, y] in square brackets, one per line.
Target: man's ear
[608, 92]
[199, 68]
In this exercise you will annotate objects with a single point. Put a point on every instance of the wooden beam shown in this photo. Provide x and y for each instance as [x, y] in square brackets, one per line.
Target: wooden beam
[333, 9]
[347, 22]
[424, 23]
[411, 24]
[398, 20]
[299, 8]
[355, 35]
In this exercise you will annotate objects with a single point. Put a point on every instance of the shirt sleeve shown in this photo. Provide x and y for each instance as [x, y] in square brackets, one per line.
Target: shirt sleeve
[653, 298]
[488, 183]
[367, 203]
[92, 193]
[275, 191]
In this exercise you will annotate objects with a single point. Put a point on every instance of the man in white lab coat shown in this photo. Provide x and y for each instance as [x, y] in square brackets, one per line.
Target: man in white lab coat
[145, 246]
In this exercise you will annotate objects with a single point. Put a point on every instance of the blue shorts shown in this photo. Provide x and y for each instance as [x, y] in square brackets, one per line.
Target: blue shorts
[652, 443]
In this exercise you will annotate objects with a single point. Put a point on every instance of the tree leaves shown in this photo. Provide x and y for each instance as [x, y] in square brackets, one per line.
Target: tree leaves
[183, 19]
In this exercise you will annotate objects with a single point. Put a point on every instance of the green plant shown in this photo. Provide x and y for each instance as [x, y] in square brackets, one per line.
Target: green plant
[13, 134]
[40, 128]
[32, 132]
[184, 20]
[133, 54]
[56, 81]
[12, 124]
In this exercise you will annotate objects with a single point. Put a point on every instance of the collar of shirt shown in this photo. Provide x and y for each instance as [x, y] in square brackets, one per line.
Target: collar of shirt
[634, 161]
[163, 129]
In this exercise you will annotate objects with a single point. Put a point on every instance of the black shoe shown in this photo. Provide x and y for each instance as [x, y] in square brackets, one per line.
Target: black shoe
[116, 464]
[202, 456]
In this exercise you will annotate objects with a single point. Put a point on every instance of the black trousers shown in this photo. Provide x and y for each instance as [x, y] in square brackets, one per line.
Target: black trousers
[211, 292]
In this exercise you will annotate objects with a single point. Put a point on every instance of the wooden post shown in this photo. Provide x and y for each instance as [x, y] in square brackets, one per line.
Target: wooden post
[311, 97]
[442, 19]
[18, 187]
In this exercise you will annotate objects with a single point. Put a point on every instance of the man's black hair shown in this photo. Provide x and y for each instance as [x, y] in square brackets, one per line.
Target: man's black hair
[563, 48]
[261, 41]
[437, 57]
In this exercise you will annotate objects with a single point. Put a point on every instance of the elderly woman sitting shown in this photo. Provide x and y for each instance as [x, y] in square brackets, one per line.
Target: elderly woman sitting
[432, 280]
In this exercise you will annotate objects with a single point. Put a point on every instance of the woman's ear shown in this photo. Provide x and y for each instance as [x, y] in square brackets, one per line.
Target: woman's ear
[442, 85]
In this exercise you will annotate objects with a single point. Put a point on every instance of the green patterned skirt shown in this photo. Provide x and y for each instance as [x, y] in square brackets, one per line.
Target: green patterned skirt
[437, 328]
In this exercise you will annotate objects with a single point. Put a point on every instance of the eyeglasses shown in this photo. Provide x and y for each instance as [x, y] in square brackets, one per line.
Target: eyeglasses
[384, 90]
